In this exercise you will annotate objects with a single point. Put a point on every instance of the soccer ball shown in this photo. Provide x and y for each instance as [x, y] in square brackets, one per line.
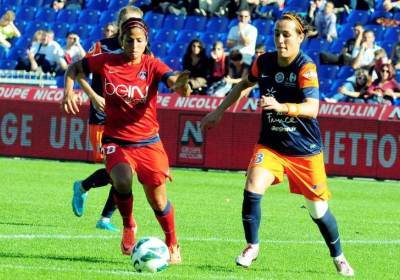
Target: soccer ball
[150, 254]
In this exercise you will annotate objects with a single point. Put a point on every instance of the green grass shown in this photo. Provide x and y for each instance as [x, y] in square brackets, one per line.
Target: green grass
[40, 238]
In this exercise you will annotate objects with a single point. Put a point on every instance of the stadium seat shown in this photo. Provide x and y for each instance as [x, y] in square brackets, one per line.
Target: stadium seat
[261, 39]
[325, 86]
[174, 22]
[8, 64]
[162, 88]
[328, 71]
[95, 35]
[68, 16]
[232, 23]
[398, 75]
[314, 55]
[21, 24]
[269, 42]
[25, 12]
[15, 53]
[46, 13]
[209, 38]
[89, 16]
[115, 5]
[378, 30]
[82, 30]
[34, 26]
[196, 23]
[345, 31]
[7, 7]
[154, 20]
[166, 35]
[379, 14]
[334, 87]
[392, 34]
[16, 3]
[60, 29]
[217, 24]
[22, 42]
[344, 72]
[185, 36]
[337, 46]
[174, 62]
[100, 5]
[3, 53]
[387, 45]
[264, 27]
[317, 44]
[107, 17]
[32, 3]
[177, 50]
[159, 49]
[356, 16]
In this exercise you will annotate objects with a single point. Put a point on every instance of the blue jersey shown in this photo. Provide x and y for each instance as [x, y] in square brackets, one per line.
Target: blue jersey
[292, 136]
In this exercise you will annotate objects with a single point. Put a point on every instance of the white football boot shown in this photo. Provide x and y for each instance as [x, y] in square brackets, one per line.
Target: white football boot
[249, 254]
[342, 266]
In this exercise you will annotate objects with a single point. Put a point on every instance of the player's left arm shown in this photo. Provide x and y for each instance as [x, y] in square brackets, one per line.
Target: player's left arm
[179, 82]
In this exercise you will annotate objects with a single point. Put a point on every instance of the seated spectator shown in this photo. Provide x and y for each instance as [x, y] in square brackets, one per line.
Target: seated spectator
[74, 50]
[395, 56]
[385, 89]
[110, 30]
[196, 61]
[316, 6]
[219, 69]
[57, 5]
[210, 8]
[46, 55]
[364, 50]
[325, 23]
[243, 36]
[269, 9]
[7, 29]
[345, 57]
[391, 6]
[353, 88]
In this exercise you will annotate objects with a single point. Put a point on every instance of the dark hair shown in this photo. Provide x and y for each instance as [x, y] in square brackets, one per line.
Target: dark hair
[189, 49]
[235, 55]
[71, 33]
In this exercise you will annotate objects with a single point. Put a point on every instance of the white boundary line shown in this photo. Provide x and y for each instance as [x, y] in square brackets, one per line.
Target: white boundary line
[195, 239]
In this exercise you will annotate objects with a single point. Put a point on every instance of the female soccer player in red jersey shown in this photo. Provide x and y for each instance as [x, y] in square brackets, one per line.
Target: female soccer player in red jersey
[290, 139]
[130, 140]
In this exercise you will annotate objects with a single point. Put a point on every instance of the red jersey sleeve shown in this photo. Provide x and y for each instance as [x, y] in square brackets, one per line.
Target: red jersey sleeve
[160, 69]
[95, 63]
[95, 49]
[308, 76]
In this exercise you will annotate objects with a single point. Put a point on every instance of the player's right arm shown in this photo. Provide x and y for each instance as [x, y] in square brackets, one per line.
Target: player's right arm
[213, 118]
[70, 100]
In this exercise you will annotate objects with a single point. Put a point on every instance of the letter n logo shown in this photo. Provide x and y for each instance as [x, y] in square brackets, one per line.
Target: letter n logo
[190, 147]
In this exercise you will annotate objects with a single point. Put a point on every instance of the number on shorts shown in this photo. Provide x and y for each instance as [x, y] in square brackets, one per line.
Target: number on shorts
[108, 150]
[259, 158]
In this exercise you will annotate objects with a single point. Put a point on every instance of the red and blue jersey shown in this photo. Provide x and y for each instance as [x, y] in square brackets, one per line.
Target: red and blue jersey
[130, 92]
[293, 136]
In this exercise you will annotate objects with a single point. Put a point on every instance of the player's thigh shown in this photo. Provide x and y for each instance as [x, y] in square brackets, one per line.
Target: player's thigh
[156, 196]
[258, 179]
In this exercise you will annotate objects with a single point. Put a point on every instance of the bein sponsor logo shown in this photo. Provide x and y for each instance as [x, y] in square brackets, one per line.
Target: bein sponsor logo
[129, 93]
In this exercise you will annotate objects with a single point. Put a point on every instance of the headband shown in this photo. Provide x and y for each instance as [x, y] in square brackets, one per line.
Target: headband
[296, 21]
[134, 23]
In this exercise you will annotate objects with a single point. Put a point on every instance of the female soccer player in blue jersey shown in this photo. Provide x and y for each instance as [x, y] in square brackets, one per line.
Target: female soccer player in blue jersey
[289, 140]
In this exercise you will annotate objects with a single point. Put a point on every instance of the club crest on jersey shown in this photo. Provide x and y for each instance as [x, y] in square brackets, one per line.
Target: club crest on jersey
[142, 75]
[310, 75]
[292, 77]
[279, 77]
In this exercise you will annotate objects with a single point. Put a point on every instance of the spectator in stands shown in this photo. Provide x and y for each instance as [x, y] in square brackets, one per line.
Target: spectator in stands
[238, 69]
[269, 9]
[364, 50]
[57, 5]
[219, 69]
[46, 54]
[395, 56]
[325, 23]
[385, 89]
[7, 29]
[345, 57]
[74, 50]
[353, 88]
[243, 36]
[110, 30]
[316, 6]
[75, 4]
[196, 61]
[211, 8]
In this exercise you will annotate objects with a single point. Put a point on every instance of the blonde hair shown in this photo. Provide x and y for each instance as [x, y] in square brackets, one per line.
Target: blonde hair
[8, 16]
[128, 12]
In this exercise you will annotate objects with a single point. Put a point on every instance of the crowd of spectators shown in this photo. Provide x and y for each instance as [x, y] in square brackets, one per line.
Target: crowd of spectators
[215, 70]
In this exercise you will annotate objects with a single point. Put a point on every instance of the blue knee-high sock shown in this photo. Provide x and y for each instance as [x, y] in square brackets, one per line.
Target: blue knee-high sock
[328, 227]
[251, 216]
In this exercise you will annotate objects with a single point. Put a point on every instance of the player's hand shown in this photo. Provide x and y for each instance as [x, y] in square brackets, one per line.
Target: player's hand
[98, 103]
[181, 84]
[210, 120]
[70, 102]
[270, 103]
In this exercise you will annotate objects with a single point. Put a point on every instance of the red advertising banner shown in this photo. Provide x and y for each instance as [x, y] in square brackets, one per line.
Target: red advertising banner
[360, 140]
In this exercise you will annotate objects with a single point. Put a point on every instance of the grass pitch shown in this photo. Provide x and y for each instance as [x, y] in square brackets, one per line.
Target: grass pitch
[40, 238]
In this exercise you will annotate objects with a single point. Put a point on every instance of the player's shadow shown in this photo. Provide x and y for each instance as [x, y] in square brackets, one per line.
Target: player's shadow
[214, 268]
[60, 258]
[26, 224]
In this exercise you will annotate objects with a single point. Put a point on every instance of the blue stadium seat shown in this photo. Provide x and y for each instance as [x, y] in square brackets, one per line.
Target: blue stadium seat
[355, 16]
[345, 72]
[379, 14]
[162, 88]
[22, 42]
[34, 26]
[68, 16]
[3, 53]
[317, 44]
[46, 13]
[16, 3]
[328, 71]
[115, 5]
[387, 45]
[95, 35]
[269, 42]
[261, 39]
[21, 24]
[8, 64]
[7, 7]
[25, 12]
[392, 34]
[337, 45]
[154, 20]
[185, 36]
[264, 27]
[334, 87]
[209, 38]
[15, 53]
[159, 49]
[89, 16]
[174, 62]
[378, 30]
[174, 22]
[82, 30]
[166, 35]
[314, 55]
[325, 86]
[345, 31]
[177, 50]
[32, 3]
[60, 29]
[107, 17]
[100, 5]
[196, 23]
[217, 24]
[232, 23]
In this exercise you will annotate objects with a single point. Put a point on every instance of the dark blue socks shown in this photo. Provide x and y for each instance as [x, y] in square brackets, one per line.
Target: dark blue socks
[99, 178]
[110, 207]
[328, 227]
[251, 216]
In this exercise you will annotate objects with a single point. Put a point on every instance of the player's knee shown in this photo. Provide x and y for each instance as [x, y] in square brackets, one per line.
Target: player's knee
[317, 209]
[123, 183]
